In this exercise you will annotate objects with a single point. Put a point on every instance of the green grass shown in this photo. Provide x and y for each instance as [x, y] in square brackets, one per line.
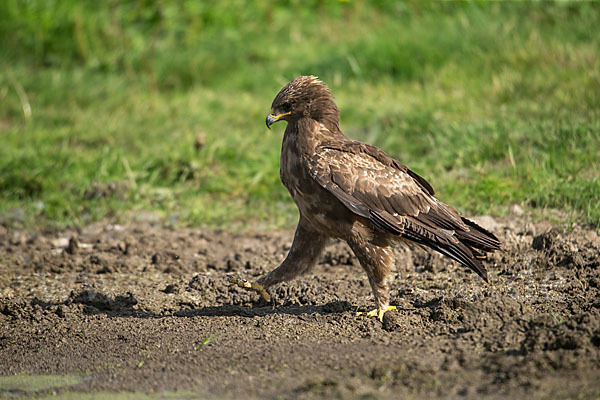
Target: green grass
[495, 104]
[59, 387]
[36, 383]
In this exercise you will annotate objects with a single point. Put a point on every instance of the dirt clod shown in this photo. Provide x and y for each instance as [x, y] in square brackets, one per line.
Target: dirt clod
[545, 241]
[391, 321]
[73, 245]
[170, 288]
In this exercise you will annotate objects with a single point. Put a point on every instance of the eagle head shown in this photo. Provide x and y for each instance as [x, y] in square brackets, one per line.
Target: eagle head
[304, 97]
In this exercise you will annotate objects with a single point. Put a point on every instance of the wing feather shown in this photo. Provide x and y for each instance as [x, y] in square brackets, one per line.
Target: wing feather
[397, 200]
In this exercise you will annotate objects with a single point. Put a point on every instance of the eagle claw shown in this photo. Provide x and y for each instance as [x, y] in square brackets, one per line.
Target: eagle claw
[377, 312]
[255, 286]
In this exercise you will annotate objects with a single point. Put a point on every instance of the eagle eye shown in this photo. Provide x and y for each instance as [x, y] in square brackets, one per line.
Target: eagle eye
[285, 107]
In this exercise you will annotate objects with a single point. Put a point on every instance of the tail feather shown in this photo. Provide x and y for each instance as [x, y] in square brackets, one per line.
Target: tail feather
[465, 257]
[450, 247]
[478, 237]
[466, 247]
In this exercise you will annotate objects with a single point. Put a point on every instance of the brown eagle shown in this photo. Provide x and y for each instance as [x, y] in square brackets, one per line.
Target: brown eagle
[353, 191]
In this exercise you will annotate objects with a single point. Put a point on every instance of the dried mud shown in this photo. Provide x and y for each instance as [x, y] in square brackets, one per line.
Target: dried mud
[148, 309]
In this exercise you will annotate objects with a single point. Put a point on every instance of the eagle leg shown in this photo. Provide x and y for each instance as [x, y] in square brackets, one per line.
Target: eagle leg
[304, 253]
[376, 260]
[255, 286]
[377, 312]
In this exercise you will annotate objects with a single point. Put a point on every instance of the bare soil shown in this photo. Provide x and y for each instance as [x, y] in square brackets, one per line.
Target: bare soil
[148, 309]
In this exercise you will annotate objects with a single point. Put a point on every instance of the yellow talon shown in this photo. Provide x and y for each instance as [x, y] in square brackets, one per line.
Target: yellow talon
[378, 312]
[257, 287]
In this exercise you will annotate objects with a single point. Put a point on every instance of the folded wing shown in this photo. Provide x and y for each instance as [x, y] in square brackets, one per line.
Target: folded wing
[397, 200]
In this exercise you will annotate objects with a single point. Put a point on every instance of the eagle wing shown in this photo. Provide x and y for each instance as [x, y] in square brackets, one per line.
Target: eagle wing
[397, 200]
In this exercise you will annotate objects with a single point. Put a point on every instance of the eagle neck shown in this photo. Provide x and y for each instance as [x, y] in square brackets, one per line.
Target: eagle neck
[305, 134]
[293, 140]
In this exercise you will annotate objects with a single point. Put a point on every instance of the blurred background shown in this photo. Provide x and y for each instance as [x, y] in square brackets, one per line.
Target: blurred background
[155, 110]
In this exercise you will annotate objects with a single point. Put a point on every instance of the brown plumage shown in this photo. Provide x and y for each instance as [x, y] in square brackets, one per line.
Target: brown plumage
[355, 192]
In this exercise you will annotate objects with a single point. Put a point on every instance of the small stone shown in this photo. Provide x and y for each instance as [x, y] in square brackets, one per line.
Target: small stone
[516, 209]
[86, 246]
[60, 242]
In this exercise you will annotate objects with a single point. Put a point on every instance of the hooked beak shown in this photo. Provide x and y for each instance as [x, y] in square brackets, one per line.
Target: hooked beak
[272, 118]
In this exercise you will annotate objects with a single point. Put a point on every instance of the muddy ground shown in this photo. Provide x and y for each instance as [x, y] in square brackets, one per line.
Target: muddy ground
[148, 309]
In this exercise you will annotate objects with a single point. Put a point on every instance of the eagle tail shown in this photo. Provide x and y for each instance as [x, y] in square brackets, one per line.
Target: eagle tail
[464, 255]
[478, 237]
[465, 249]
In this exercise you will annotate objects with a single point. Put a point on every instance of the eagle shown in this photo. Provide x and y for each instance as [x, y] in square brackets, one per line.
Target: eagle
[349, 190]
